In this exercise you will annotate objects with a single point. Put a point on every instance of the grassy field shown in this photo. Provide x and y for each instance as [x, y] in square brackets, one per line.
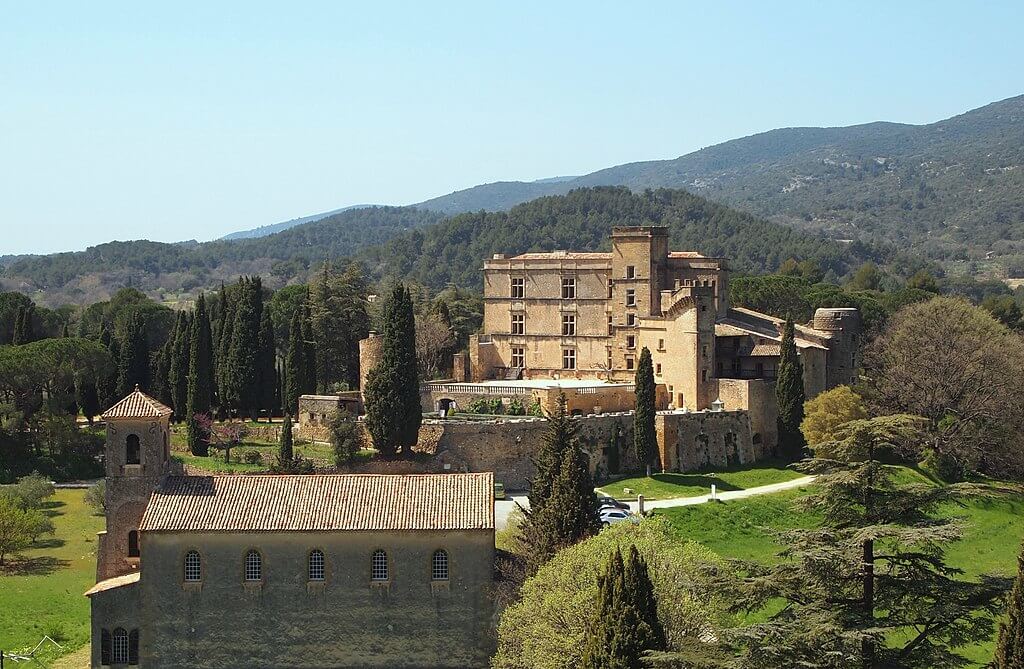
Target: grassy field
[667, 486]
[741, 529]
[41, 593]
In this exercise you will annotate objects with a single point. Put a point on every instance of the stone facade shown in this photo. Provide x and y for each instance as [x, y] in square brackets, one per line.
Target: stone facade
[318, 409]
[597, 398]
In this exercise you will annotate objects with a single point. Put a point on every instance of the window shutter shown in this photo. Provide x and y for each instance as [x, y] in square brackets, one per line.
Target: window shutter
[133, 647]
[105, 647]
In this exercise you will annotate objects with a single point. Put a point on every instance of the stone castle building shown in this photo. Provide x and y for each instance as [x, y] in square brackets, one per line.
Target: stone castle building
[286, 571]
[565, 315]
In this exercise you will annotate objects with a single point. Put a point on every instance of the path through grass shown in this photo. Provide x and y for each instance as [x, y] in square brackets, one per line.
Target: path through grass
[668, 486]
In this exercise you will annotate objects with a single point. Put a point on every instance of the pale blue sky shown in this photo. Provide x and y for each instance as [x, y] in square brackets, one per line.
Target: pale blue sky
[192, 120]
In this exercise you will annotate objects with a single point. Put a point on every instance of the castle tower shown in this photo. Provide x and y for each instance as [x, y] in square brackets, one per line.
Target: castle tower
[137, 457]
[844, 326]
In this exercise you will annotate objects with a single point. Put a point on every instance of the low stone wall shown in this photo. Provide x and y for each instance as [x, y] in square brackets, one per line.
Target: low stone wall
[592, 399]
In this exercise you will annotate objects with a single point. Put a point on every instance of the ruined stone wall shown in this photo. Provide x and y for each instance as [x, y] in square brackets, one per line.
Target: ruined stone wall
[757, 398]
[705, 440]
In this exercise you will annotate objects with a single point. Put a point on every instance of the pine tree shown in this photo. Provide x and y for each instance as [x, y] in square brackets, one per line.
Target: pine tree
[133, 360]
[294, 364]
[1010, 648]
[267, 365]
[178, 364]
[789, 395]
[393, 412]
[199, 396]
[563, 505]
[844, 602]
[645, 437]
[626, 623]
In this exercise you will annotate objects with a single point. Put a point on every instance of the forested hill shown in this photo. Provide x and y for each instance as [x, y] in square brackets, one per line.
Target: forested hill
[166, 270]
[453, 251]
[949, 189]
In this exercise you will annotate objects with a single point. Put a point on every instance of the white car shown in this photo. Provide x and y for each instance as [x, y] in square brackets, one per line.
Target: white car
[611, 516]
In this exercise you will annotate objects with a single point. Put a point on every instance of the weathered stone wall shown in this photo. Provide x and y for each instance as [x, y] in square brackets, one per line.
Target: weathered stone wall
[347, 621]
[587, 400]
[704, 440]
[117, 607]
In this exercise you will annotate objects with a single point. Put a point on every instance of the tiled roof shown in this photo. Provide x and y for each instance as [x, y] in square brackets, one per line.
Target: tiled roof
[266, 503]
[562, 255]
[137, 405]
[765, 350]
[111, 583]
[684, 254]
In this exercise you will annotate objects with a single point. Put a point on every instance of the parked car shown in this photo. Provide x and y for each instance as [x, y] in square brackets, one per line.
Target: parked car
[604, 500]
[612, 516]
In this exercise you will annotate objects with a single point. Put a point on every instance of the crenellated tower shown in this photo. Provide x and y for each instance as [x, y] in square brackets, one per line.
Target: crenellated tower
[137, 458]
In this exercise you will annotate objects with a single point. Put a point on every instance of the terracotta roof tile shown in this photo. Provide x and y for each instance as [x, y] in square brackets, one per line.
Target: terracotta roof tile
[137, 405]
[765, 350]
[266, 503]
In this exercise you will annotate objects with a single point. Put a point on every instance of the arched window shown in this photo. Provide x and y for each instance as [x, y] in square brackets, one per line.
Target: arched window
[131, 450]
[193, 567]
[119, 647]
[253, 566]
[379, 566]
[439, 566]
[133, 544]
[316, 566]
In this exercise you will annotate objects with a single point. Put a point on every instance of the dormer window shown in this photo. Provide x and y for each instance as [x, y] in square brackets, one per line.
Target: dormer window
[132, 453]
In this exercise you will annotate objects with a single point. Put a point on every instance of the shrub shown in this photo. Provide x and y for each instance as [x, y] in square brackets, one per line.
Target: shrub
[515, 408]
[347, 438]
[252, 457]
[96, 496]
[31, 490]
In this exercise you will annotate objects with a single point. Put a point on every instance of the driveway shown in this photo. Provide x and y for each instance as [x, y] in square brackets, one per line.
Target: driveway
[504, 507]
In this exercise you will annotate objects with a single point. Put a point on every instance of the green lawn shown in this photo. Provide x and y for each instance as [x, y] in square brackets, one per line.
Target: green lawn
[215, 462]
[41, 593]
[741, 529]
[667, 486]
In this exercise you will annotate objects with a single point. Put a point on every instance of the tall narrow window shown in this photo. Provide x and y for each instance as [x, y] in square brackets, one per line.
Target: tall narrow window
[630, 297]
[193, 567]
[317, 565]
[379, 566]
[630, 341]
[611, 323]
[105, 647]
[630, 272]
[119, 647]
[253, 566]
[657, 369]
[631, 320]
[518, 357]
[518, 323]
[132, 451]
[518, 288]
[439, 566]
[568, 288]
[569, 358]
[568, 325]
[630, 362]
[133, 647]
[133, 544]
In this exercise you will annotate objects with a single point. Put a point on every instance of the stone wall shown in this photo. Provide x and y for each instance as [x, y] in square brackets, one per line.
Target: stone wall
[592, 399]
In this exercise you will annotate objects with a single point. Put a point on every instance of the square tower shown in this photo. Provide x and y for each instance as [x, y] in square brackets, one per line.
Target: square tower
[137, 458]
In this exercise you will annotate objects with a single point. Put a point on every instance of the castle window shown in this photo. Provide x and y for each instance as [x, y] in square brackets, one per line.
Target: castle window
[518, 324]
[568, 358]
[630, 272]
[193, 567]
[253, 566]
[630, 297]
[133, 647]
[131, 450]
[661, 344]
[568, 325]
[133, 544]
[657, 369]
[630, 362]
[609, 289]
[439, 566]
[611, 323]
[518, 357]
[119, 646]
[316, 565]
[379, 566]
[630, 341]
[518, 289]
[568, 288]
[630, 320]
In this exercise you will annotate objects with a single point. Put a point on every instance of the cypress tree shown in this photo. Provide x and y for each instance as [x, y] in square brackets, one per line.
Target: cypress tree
[226, 321]
[178, 364]
[285, 455]
[106, 385]
[645, 437]
[294, 365]
[87, 396]
[789, 396]
[133, 361]
[199, 398]
[563, 505]
[1010, 648]
[23, 330]
[267, 365]
[242, 374]
[309, 381]
[393, 413]
[626, 623]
